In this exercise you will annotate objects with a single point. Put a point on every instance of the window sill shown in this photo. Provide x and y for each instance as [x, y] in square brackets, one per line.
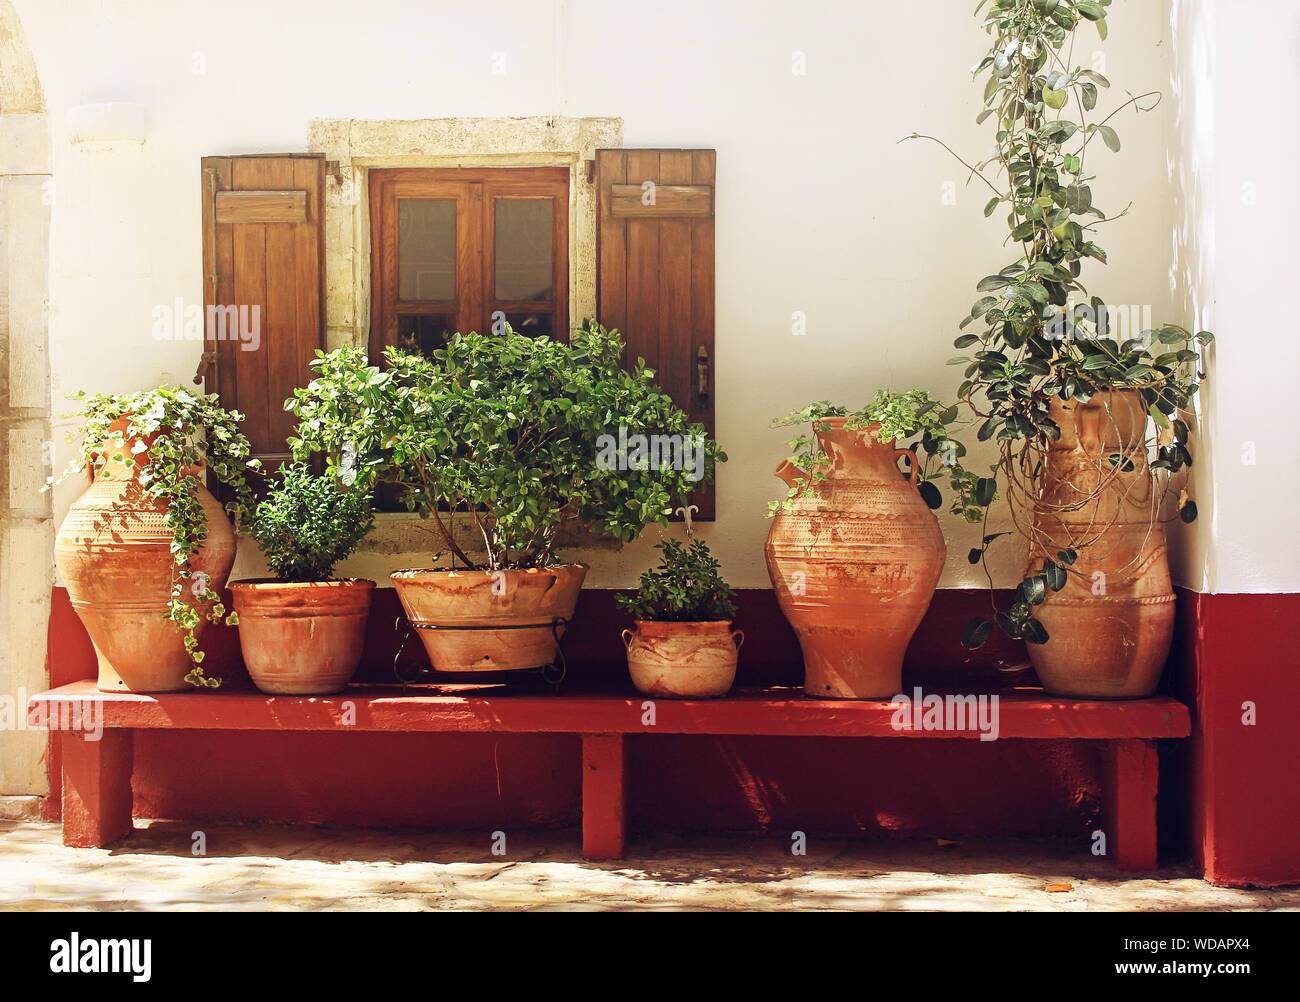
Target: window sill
[406, 532]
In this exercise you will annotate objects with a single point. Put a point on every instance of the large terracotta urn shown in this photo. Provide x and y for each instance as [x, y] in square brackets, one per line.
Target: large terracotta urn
[1111, 626]
[113, 551]
[490, 620]
[854, 564]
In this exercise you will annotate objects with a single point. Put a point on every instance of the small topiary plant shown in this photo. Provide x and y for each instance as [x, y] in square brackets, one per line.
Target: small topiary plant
[307, 524]
[686, 587]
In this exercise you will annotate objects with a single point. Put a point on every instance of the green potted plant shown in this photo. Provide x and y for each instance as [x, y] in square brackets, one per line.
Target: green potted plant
[301, 633]
[683, 644]
[854, 552]
[514, 436]
[145, 551]
[1090, 421]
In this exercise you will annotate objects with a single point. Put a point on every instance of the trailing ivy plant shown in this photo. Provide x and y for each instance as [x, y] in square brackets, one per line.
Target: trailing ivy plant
[308, 523]
[686, 587]
[1037, 332]
[912, 417]
[520, 434]
[174, 434]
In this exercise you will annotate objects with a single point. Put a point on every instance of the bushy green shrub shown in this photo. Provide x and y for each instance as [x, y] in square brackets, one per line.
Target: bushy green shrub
[518, 433]
[686, 587]
[308, 523]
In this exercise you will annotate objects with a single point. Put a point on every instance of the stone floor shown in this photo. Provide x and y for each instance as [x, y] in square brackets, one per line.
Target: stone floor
[281, 867]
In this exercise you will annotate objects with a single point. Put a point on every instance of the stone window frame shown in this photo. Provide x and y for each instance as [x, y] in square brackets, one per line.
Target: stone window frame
[352, 147]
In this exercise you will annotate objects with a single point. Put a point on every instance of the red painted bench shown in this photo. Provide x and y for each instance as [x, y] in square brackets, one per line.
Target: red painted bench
[97, 773]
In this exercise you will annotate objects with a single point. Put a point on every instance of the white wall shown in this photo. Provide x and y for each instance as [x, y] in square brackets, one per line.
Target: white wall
[1235, 68]
[819, 210]
[1190, 166]
[1256, 366]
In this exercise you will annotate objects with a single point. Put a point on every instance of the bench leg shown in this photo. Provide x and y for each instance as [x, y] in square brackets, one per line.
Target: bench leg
[1130, 773]
[604, 795]
[96, 787]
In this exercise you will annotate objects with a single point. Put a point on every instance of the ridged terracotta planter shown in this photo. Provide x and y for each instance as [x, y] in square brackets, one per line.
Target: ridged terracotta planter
[510, 613]
[683, 660]
[854, 565]
[302, 638]
[113, 551]
[1111, 626]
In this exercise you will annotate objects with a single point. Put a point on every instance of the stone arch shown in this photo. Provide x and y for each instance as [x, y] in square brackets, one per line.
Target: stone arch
[26, 449]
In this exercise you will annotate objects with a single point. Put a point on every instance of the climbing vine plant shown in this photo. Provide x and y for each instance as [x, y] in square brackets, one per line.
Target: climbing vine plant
[169, 437]
[1036, 332]
[911, 417]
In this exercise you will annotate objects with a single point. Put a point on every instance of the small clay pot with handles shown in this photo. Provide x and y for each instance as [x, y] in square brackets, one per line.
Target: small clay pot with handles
[683, 660]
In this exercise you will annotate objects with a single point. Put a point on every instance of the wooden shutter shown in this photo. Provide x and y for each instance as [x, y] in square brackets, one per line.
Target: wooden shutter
[655, 271]
[263, 246]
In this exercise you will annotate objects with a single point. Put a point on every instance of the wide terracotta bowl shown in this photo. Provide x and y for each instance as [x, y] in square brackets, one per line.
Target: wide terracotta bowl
[490, 620]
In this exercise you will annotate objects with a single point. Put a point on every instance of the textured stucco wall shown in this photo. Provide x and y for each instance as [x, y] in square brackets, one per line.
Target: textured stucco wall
[26, 527]
[20, 86]
[820, 211]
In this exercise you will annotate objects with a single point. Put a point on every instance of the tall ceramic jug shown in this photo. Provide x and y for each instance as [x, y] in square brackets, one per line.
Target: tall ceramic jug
[855, 564]
[1111, 626]
[113, 551]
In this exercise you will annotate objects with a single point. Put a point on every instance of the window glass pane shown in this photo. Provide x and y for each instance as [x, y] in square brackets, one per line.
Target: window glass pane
[426, 248]
[523, 249]
[532, 324]
[423, 334]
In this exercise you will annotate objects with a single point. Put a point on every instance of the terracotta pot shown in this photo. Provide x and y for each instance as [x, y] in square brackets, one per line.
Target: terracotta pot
[854, 565]
[686, 660]
[487, 599]
[1111, 626]
[113, 551]
[302, 638]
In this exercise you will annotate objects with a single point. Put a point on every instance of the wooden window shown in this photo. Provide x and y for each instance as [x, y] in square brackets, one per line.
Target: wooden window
[455, 249]
[264, 287]
[655, 273]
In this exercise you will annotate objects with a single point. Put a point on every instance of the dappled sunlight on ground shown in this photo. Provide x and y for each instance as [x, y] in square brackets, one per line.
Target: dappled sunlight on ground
[301, 867]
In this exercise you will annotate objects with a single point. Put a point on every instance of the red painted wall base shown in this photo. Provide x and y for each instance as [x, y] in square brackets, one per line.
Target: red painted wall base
[1237, 663]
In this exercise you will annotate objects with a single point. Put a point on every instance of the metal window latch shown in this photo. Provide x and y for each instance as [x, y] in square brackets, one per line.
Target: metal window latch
[207, 359]
[702, 370]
